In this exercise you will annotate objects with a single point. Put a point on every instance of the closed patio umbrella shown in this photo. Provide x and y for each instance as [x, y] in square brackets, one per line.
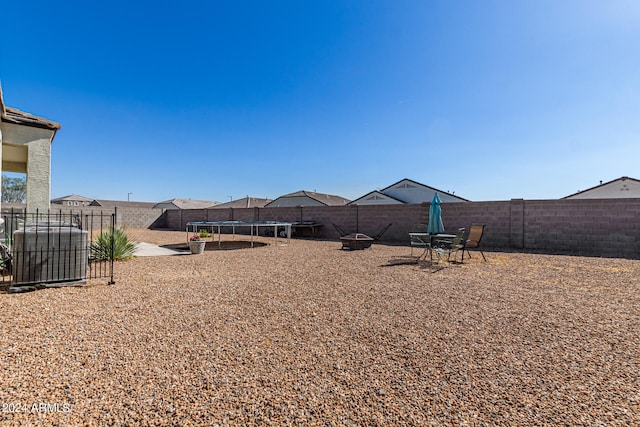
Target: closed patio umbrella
[435, 216]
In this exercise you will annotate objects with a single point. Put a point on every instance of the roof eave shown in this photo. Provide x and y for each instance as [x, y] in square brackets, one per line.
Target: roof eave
[15, 116]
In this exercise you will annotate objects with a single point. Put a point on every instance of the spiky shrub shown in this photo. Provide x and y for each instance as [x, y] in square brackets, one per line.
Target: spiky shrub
[101, 248]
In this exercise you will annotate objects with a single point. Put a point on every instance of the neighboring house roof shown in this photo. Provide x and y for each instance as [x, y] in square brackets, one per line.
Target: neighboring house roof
[13, 115]
[122, 204]
[620, 188]
[186, 204]
[311, 197]
[378, 198]
[245, 202]
[86, 201]
[71, 198]
[407, 191]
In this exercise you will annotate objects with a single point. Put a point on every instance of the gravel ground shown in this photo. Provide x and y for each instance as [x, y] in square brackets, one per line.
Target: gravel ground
[308, 334]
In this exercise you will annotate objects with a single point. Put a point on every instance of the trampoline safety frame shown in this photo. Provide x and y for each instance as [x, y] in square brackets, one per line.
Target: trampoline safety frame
[254, 228]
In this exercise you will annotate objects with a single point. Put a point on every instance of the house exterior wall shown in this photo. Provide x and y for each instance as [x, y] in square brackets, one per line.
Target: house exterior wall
[38, 175]
[593, 227]
[28, 149]
[73, 201]
[418, 195]
[14, 138]
[622, 188]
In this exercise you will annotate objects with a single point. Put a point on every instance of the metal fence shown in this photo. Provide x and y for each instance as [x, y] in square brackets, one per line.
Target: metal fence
[55, 247]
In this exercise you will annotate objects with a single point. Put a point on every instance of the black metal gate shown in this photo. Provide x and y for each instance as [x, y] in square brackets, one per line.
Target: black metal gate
[54, 248]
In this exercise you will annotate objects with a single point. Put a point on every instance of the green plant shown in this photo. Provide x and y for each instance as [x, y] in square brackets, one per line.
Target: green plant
[113, 244]
[14, 189]
[204, 233]
[5, 258]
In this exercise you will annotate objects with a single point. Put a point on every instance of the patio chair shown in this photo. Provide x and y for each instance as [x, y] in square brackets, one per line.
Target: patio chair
[473, 240]
[448, 247]
[384, 230]
[339, 229]
[423, 242]
[418, 241]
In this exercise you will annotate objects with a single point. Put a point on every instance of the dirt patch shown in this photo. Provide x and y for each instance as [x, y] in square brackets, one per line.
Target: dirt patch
[304, 333]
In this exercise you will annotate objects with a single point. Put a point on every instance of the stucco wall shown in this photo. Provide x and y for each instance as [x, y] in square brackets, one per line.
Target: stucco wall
[27, 149]
[623, 188]
[418, 195]
[38, 175]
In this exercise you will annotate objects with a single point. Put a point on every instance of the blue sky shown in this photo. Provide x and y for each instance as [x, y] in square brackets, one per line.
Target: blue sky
[216, 100]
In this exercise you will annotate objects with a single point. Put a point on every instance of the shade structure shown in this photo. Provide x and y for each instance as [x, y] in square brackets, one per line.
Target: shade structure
[435, 216]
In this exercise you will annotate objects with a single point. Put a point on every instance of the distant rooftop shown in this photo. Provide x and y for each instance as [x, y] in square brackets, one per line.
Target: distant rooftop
[245, 202]
[623, 187]
[186, 204]
[72, 198]
[122, 204]
[322, 198]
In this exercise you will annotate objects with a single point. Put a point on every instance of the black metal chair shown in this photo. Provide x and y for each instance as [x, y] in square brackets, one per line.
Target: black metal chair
[423, 242]
[448, 247]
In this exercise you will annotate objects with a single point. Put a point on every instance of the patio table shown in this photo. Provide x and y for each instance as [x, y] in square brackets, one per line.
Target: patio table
[311, 228]
[431, 239]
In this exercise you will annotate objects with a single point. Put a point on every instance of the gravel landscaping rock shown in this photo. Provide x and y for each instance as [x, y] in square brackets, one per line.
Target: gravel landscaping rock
[309, 334]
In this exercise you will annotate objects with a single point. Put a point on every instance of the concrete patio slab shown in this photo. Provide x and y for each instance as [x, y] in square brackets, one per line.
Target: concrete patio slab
[148, 249]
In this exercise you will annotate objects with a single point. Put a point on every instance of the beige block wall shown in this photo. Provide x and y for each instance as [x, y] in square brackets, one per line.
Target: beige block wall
[596, 227]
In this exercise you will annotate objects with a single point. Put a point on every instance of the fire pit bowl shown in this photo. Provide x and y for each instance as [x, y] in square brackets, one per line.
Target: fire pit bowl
[355, 241]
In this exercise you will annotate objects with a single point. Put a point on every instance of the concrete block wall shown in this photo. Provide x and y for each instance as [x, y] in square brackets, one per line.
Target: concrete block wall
[129, 217]
[278, 214]
[138, 217]
[596, 227]
[325, 215]
[496, 216]
[586, 227]
[372, 219]
[342, 216]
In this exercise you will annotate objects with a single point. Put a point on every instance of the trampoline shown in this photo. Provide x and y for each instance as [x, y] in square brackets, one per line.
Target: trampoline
[254, 228]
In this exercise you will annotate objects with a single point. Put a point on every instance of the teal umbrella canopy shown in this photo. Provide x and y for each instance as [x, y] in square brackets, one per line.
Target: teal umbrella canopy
[435, 216]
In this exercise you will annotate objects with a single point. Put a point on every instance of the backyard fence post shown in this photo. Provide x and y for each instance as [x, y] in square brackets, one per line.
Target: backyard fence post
[516, 223]
[113, 242]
